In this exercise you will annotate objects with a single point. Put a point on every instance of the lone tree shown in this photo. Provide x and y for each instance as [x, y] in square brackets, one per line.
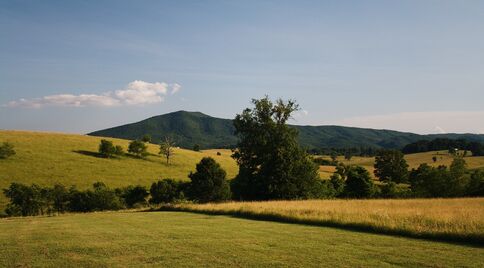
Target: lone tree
[166, 149]
[106, 148]
[138, 148]
[6, 150]
[209, 182]
[146, 138]
[390, 166]
[272, 165]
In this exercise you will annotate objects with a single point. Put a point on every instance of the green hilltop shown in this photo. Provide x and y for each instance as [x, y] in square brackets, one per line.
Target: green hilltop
[190, 128]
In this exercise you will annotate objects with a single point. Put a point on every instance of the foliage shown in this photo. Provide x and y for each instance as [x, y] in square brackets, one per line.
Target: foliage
[476, 184]
[209, 182]
[146, 138]
[196, 148]
[6, 150]
[166, 149]
[133, 195]
[439, 144]
[166, 191]
[390, 166]
[138, 148]
[358, 183]
[338, 184]
[272, 165]
[106, 148]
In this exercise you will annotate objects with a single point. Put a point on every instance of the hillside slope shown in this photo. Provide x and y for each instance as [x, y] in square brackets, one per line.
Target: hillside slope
[190, 128]
[47, 158]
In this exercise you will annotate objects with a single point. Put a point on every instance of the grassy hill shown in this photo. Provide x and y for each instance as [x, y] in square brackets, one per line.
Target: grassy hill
[47, 158]
[175, 239]
[190, 128]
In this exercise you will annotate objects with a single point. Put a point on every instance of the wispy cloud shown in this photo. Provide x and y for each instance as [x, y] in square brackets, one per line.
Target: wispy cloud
[135, 93]
[421, 122]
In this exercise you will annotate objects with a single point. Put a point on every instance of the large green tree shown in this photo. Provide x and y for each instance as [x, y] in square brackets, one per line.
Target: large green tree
[272, 165]
[209, 182]
[391, 166]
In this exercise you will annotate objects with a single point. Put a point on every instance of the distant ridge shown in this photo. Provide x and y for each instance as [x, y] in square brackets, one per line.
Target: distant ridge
[190, 128]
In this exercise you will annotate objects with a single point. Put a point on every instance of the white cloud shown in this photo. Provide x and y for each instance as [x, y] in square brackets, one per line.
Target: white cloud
[136, 93]
[175, 88]
[421, 122]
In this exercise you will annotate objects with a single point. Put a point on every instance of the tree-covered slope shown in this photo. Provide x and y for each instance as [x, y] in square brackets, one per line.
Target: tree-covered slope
[190, 128]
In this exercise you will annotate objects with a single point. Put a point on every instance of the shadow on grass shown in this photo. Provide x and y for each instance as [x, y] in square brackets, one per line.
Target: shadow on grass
[98, 155]
[89, 153]
[465, 240]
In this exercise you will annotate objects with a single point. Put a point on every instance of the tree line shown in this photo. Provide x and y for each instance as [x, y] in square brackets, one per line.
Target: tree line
[207, 184]
[476, 148]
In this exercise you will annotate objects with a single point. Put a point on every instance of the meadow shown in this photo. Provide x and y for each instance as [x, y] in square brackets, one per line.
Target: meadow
[176, 239]
[446, 219]
[413, 160]
[48, 158]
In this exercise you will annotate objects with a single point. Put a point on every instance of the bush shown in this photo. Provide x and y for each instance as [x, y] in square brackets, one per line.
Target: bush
[106, 148]
[196, 148]
[133, 195]
[358, 183]
[6, 150]
[119, 150]
[476, 184]
[208, 183]
[138, 148]
[166, 191]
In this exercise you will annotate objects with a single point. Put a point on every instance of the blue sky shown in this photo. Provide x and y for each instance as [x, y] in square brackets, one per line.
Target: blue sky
[79, 66]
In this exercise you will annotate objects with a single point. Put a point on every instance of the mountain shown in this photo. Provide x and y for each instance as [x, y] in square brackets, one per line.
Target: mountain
[190, 128]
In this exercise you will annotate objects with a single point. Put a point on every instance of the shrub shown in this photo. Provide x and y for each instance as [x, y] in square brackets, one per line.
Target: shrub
[133, 195]
[6, 150]
[358, 183]
[476, 184]
[146, 138]
[119, 150]
[166, 191]
[138, 148]
[196, 148]
[208, 183]
[106, 148]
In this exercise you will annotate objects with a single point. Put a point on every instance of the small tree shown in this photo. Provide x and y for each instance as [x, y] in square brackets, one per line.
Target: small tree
[6, 150]
[146, 138]
[119, 150]
[138, 148]
[390, 165]
[166, 191]
[358, 183]
[133, 195]
[166, 149]
[434, 158]
[334, 157]
[196, 148]
[106, 148]
[208, 183]
[348, 155]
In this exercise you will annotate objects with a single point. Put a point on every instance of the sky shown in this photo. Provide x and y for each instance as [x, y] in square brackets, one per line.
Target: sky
[80, 66]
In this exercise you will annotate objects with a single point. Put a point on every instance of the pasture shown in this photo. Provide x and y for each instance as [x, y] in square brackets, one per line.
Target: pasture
[177, 239]
[48, 158]
[448, 219]
[413, 160]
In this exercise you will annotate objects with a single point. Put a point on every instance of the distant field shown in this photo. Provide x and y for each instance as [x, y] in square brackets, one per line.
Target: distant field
[174, 239]
[453, 219]
[413, 160]
[47, 158]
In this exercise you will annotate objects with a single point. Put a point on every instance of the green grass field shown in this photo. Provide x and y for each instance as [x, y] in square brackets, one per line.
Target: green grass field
[47, 158]
[176, 239]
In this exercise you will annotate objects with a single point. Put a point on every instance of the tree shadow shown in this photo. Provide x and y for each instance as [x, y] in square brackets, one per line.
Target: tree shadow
[89, 153]
[472, 241]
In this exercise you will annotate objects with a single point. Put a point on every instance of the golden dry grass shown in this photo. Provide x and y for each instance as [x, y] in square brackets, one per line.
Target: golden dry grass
[460, 219]
[413, 160]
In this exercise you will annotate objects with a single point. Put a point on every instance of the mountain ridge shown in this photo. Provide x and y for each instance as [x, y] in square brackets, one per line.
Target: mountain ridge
[191, 127]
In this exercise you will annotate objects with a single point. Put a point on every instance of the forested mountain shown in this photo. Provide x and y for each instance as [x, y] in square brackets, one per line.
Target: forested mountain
[190, 128]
